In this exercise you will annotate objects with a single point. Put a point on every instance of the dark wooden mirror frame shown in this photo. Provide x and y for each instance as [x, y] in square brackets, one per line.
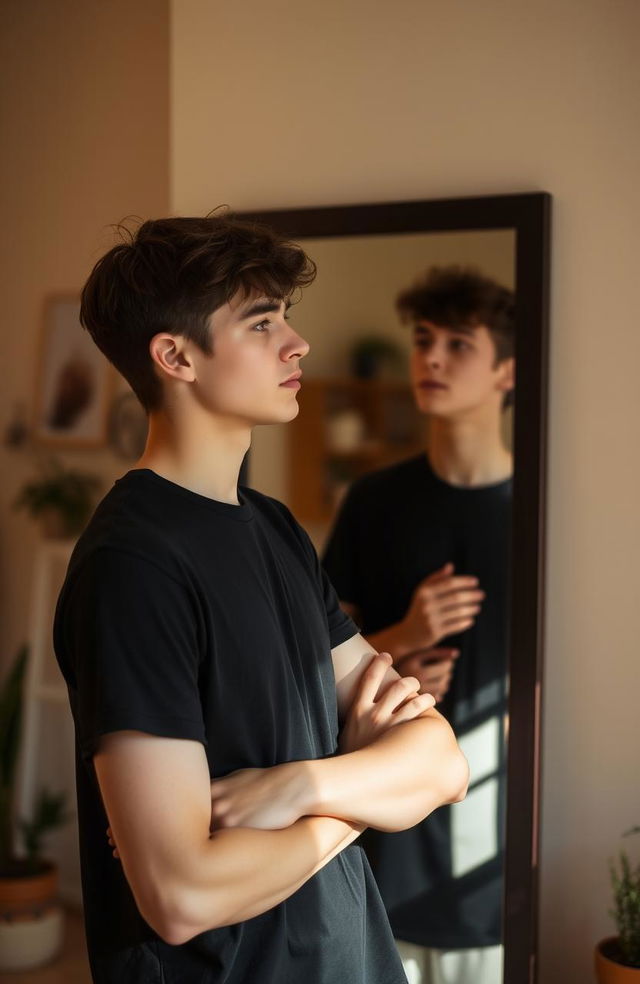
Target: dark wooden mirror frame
[529, 215]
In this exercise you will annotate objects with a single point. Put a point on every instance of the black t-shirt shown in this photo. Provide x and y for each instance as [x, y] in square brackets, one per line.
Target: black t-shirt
[190, 618]
[396, 527]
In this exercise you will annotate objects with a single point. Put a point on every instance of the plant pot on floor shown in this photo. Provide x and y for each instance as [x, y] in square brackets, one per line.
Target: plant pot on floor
[31, 919]
[30, 915]
[609, 966]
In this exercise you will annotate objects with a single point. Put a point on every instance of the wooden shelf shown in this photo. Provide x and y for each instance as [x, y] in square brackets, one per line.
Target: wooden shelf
[317, 473]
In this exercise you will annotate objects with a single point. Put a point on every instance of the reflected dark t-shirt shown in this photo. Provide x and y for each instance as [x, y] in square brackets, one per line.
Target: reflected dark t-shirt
[189, 618]
[396, 527]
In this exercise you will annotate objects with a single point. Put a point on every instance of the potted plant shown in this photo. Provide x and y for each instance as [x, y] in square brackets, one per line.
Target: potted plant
[370, 352]
[618, 957]
[30, 915]
[62, 499]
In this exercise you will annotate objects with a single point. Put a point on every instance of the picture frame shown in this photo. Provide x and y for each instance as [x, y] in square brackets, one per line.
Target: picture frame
[74, 382]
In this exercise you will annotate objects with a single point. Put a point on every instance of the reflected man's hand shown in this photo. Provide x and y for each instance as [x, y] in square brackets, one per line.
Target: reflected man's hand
[433, 668]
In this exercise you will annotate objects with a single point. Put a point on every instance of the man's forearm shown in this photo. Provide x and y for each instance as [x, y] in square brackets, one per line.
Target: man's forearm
[240, 873]
[392, 640]
[394, 782]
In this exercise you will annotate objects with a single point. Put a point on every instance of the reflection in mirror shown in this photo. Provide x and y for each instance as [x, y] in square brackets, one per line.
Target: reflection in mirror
[399, 465]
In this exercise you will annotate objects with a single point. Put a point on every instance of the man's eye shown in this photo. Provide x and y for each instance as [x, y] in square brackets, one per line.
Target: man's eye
[262, 325]
[459, 346]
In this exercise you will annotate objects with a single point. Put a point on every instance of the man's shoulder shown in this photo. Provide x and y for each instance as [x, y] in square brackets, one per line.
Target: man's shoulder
[276, 518]
[125, 531]
[269, 508]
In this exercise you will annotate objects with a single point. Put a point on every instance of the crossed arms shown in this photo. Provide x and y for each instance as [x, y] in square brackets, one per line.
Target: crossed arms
[199, 855]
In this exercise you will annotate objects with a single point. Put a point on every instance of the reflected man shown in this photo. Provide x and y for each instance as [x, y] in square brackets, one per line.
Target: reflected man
[419, 556]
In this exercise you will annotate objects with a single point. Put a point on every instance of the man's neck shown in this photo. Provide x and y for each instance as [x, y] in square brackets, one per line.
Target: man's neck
[202, 454]
[468, 451]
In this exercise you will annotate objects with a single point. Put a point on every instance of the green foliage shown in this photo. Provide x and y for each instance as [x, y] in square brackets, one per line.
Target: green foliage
[369, 352]
[10, 731]
[625, 880]
[50, 808]
[67, 492]
[48, 814]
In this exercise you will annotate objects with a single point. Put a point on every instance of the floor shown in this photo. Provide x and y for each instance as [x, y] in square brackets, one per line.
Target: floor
[70, 967]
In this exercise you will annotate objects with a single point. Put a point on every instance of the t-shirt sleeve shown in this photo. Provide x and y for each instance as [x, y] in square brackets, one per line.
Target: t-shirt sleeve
[341, 626]
[130, 642]
[340, 556]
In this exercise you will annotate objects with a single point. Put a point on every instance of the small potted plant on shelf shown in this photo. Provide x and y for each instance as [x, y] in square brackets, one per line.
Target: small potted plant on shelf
[30, 914]
[369, 353]
[618, 957]
[62, 499]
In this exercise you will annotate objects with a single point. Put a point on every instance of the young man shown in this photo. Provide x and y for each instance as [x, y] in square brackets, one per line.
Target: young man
[200, 639]
[419, 557]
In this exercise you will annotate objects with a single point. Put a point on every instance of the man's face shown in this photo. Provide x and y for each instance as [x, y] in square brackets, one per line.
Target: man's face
[454, 371]
[253, 375]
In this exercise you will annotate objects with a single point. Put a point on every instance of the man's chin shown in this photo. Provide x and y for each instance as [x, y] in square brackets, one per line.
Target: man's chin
[280, 416]
[431, 404]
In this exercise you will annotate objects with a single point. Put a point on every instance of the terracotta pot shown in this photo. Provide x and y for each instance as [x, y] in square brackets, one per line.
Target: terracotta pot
[608, 970]
[26, 896]
[31, 920]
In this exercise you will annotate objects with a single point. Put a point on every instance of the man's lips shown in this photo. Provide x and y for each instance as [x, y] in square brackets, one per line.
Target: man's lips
[292, 381]
[431, 384]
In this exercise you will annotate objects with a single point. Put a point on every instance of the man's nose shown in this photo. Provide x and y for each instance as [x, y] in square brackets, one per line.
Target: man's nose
[433, 355]
[295, 348]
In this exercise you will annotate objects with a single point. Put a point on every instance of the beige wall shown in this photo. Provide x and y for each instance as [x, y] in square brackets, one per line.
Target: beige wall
[346, 101]
[85, 128]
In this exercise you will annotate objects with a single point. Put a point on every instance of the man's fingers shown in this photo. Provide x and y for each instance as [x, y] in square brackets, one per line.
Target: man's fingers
[455, 599]
[417, 664]
[413, 708]
[453, 626]
[112, 843]
[434, 685]
[438, 654]
[442, 574]
[435, 671]
[372, 678]
[460, 611]
[396, 694]
[449, 589]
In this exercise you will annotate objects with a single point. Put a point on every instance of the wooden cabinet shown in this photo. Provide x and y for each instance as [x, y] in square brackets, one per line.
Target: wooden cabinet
[345, 428]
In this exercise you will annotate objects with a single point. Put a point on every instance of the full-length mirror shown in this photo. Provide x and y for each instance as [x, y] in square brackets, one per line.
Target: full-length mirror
[416, 465]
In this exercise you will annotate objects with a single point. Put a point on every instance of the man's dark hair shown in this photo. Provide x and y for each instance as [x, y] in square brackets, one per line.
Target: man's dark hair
[170, 275]
[462, 297]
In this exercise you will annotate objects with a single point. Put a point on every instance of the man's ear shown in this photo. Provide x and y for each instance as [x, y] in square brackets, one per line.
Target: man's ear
[507, 376]
[170, 354]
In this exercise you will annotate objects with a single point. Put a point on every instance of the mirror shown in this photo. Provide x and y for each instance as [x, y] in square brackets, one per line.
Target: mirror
[484, 890]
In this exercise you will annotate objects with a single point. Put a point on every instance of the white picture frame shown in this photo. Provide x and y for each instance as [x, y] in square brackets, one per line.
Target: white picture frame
[74, 381]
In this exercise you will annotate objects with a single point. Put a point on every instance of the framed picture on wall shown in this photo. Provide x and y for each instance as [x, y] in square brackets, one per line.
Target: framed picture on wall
[74, 381]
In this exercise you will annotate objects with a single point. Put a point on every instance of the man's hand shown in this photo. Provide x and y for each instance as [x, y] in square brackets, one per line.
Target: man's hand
[371, 714]
[441, 605]
[433, 668]
[266, 799]
[112, 843]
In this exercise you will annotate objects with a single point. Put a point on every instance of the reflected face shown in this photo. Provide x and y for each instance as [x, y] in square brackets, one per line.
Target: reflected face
[454, 371]
[254, 373]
